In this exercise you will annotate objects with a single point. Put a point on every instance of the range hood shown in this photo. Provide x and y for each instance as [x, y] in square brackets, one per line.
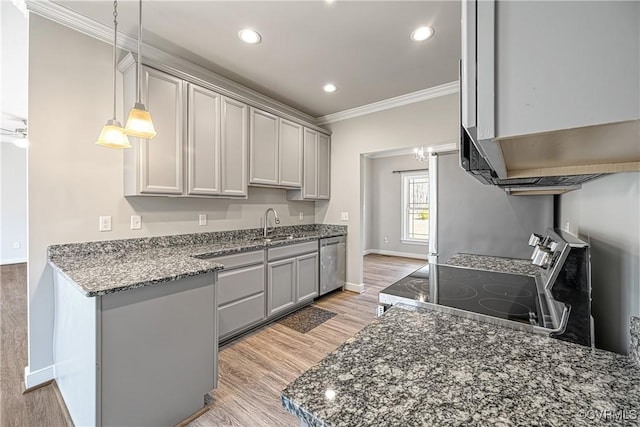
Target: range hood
[472, 161]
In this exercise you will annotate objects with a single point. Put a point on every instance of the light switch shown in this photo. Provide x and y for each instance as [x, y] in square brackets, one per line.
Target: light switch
[344, 216]
[16, 245]
[105, 223]
[136, 222]
[203, 219]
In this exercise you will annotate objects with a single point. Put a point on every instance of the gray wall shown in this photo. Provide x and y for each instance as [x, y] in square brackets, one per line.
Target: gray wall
[606, 213]
[427, 123]
[13, 204]
[13, 160]
[482, 219]
[72, 181]
[385, 206]
[366, 189]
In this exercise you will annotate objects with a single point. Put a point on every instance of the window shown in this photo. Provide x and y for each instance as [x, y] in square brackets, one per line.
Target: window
[415, 207]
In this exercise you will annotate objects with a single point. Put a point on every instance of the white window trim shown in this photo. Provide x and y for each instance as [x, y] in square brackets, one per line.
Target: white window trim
[403, 216]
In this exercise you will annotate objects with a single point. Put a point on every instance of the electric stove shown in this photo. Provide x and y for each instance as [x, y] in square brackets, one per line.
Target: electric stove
[556, 301]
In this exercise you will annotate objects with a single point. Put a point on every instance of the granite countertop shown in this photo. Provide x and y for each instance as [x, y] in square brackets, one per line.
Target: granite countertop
[415, 367]
[100, 268]
[494, 263]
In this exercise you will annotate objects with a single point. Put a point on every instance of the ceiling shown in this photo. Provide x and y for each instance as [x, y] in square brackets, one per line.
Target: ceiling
[363, 47]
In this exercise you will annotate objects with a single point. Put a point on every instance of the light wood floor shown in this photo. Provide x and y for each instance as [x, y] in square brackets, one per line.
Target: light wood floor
[40, 407]
[253, 370]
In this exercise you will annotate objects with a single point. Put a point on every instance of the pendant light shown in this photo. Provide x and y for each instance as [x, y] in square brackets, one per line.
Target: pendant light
[113, 135]
[139, 122]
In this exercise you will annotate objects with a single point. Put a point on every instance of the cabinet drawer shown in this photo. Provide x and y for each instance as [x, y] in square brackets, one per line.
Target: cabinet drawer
[240, 314]
[240, 283]
[239, 260]
[292, 250]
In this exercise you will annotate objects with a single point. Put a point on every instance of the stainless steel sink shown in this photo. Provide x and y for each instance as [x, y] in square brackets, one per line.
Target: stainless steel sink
[274, 238]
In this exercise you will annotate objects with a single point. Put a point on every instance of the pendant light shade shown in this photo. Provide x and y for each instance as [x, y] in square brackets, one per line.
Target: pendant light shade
[139, 123]
[113, 135]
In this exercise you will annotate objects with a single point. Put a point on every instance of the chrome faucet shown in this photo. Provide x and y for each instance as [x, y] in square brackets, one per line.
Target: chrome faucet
[266, 216]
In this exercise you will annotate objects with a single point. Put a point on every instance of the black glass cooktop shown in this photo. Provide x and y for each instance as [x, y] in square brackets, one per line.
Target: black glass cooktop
[503, 295]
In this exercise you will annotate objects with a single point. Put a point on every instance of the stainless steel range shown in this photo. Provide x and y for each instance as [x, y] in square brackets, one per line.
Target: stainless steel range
[556, 301]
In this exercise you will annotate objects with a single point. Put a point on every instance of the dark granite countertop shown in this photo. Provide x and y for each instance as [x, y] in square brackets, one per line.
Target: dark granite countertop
[494, 263]
[416, 367]
[99, 268]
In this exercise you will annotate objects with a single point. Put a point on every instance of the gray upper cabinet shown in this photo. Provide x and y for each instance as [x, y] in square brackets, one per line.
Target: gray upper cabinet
[290, 154]
[234, 143]
[323, 173]
[317, 168]
[275, 151]
[264, 148]
[562, 101]
[203, 142]
[202, 139]
[155, 167]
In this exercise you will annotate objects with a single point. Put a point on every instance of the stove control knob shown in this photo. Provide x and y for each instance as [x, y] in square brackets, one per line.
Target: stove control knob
[553, 246]
[534, 239]
[542, 257]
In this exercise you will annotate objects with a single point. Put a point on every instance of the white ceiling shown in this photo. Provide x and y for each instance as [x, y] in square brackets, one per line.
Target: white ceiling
[361, 46]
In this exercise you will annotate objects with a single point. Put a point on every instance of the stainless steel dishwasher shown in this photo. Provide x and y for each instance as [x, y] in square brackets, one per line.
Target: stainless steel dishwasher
[333, 263]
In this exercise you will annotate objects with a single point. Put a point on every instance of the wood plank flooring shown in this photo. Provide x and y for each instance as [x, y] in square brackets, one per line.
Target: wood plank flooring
[39, 407]
[253, 370]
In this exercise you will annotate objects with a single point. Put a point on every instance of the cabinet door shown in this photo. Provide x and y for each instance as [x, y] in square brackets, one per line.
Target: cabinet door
[290, 154]
[203, 148]
[310, 184]
[281, 285]
[264, 148]
[161, 161]
[307, 277]
[234, 147]
[324, 167]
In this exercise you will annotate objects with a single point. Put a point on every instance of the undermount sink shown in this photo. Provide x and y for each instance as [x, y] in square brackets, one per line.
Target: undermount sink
[274, 238]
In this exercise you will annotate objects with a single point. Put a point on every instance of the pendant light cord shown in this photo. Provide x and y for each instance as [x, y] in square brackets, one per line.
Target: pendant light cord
[115, 43]
[139, 63]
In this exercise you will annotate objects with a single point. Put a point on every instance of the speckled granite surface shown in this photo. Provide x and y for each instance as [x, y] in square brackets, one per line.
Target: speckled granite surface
[493, 263]
[99, 268]
[414, 367]
[634, 344]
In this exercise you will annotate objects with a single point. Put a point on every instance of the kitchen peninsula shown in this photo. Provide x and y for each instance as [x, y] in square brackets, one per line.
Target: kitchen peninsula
[136, 321]
[414, 366]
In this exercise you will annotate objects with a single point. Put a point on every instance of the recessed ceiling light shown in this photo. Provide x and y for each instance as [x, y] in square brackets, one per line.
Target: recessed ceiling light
[249, 36]
[329, 87]
[422, 33]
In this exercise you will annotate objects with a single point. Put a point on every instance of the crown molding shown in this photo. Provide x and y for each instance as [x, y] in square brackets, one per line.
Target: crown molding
[398, 101]
[169, 63]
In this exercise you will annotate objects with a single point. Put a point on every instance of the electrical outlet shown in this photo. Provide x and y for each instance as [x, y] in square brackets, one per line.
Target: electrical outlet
[344, 216]
[105, 223]
[136, 222]
[386, 239]
[567, 226]
[202, 218]
[301, 216]
[16, 245]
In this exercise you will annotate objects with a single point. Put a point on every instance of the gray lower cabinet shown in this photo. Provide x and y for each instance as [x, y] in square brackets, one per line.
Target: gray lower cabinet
[282, 285]
[307, 277]
[140, 357]
[241, 293]
[292, 276]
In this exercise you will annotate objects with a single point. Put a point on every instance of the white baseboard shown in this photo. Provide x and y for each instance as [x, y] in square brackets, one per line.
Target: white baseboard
[32, 379]
[394, 253]
[354, 288]
[8, 261]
